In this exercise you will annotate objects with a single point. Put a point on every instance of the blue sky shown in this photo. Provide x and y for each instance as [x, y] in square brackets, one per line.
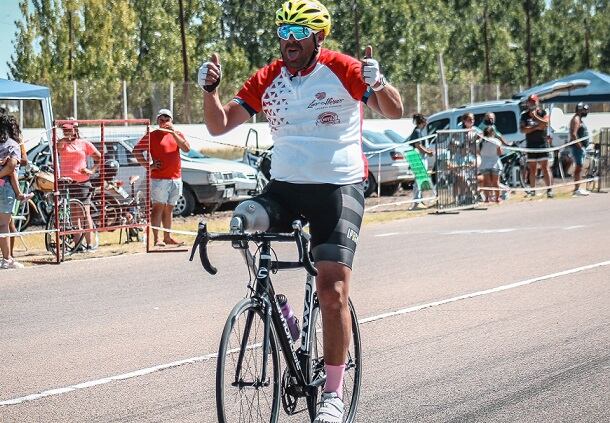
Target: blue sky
[9, 12]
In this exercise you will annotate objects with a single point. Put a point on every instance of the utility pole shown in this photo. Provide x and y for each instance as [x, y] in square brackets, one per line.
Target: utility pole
[185, 66]
[356, 27]
[487, 46]
[587, 43]
[528, 39]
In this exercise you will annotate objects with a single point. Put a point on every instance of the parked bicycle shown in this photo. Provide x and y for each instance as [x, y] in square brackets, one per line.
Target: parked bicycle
[69, 221]
[122, 209]
[514, 170]
[37, 209]
[593, 167]
[249, 386]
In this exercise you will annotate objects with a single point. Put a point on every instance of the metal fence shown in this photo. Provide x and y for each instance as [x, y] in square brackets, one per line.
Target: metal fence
[455, 169]
[141, 99]
[96, 194]
[604, 159]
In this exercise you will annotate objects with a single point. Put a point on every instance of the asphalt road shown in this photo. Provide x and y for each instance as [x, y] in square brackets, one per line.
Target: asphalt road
[513, 324]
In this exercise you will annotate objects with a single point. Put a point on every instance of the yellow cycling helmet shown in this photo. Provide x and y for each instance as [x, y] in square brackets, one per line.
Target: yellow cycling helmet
[309, 13]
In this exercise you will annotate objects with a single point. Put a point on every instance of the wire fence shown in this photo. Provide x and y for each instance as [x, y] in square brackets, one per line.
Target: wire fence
[141, 100]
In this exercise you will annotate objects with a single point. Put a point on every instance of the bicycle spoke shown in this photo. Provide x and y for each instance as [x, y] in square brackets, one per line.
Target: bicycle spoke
[246, 396]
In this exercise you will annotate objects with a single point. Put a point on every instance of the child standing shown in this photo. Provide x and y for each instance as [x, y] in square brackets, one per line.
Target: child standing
[491, 166]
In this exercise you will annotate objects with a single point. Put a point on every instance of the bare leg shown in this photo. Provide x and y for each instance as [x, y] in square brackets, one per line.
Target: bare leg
[495, 183]
[577, 174]
[4, 242]
[13, 229]
[155, 218]
[531, 167]
[168, 211]
[546, 171]
[332, 285]
[89, 221]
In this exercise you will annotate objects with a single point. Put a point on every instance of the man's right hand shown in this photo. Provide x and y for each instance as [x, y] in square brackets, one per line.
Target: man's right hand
[210, 74]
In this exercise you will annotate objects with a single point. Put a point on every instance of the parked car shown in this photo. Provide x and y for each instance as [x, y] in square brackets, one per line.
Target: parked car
[205, 184]
[208, 185]
[244, 175]
[389, 168]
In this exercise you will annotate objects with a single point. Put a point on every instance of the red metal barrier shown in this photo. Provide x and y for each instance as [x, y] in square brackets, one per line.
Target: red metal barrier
[101, 186]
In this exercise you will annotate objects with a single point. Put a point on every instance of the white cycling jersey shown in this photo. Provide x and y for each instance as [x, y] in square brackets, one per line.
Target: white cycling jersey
[315, 118]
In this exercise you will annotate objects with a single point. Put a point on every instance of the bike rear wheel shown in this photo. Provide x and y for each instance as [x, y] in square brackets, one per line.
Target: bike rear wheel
[241, 395]
[353, 364]
[67, 243]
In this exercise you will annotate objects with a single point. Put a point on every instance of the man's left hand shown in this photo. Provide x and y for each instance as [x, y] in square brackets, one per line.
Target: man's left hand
[370, 68]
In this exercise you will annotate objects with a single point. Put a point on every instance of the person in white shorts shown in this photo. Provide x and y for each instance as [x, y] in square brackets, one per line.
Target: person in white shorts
[163, 145]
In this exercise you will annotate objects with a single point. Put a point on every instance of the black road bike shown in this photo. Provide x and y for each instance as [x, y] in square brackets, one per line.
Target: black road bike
[250, 383]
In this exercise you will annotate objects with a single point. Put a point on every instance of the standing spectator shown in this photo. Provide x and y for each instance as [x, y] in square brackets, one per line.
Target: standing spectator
[534, 124]
[74, 175]
[491, 166]
[579, 130]
[420, 122]
[165, 173]
[9, 149]
[15, 133]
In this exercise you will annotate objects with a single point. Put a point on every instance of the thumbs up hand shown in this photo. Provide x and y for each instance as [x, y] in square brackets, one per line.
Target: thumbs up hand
[370, 71]
[370, 68]
[209, 74]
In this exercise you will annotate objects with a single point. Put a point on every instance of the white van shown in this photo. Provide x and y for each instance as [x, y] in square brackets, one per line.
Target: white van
[508, 114]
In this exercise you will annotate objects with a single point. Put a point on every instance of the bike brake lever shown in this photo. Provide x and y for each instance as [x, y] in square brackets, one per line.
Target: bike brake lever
[303, 250]
[201, 241]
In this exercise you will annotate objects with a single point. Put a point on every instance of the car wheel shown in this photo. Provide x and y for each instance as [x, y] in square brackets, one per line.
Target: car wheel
[370, 186]
[389, 189]
[186, 203]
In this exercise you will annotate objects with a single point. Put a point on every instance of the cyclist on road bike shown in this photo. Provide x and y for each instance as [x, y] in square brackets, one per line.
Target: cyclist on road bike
[312, 98]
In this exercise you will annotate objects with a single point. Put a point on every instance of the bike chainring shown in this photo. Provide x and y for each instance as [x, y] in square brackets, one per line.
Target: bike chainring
[289, 398]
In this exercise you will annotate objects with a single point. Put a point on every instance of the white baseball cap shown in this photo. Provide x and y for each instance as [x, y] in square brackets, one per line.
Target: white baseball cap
[167, 112]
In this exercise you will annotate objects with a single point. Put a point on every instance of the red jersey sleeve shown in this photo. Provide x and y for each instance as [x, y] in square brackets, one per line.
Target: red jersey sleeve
[250, 95]
[348, 70]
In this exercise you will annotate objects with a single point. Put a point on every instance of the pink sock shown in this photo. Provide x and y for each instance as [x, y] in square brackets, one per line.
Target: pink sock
[334, 379]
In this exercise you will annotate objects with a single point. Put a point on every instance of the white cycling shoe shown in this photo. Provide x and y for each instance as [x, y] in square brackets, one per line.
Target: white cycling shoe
[331, 409]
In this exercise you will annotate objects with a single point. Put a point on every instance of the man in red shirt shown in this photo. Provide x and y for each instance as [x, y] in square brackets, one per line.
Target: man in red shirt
[165, 173]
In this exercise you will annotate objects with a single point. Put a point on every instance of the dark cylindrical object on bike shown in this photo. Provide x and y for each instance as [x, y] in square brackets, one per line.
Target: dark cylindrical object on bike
[291, 318]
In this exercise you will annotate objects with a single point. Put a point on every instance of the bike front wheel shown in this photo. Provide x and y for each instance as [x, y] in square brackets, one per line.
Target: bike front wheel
[353, 365]
[243, 392]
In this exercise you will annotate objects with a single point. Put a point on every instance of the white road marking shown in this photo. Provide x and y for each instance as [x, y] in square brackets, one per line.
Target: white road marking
[483, 292]
[480, 231]
[207, 357]
[388, 234]
[569, 228]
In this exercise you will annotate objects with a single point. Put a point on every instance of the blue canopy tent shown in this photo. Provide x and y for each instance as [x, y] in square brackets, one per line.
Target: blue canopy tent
[598, 89]
[20, 91]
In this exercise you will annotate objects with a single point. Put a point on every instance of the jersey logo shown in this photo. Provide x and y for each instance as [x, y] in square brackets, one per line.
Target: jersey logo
[324, 102]
[328, 118]
[321, 96]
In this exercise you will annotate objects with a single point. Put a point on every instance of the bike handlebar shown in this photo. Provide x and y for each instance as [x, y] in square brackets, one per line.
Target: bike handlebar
[301, 238]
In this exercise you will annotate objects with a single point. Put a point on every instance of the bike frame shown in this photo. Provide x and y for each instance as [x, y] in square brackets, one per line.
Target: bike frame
[264, 291]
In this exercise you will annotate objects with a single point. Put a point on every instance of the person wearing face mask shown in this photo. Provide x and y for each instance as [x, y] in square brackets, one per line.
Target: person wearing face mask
[578, 130]
[490, 120]
[313, 99]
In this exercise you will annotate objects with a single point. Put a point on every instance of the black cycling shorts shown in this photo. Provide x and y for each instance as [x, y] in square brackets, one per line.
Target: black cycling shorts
[334, 213]
[78, 190]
